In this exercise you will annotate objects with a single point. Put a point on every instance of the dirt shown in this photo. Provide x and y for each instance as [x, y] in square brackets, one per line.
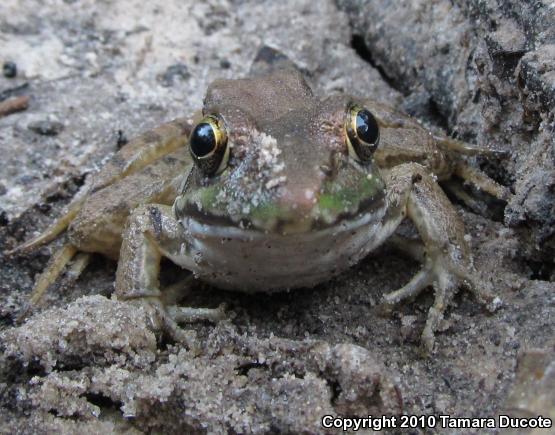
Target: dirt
[100, 72]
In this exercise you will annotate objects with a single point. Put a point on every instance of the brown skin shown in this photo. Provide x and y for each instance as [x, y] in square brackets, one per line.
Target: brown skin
[131, 197]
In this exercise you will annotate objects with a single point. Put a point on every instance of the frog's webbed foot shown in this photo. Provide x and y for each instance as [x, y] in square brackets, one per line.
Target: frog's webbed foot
[445, 277]
[166, 320]
[152, 233]
[447, 264]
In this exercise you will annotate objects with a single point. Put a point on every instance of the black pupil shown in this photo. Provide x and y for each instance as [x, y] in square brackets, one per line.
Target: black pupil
[203, 139]
[367, 127]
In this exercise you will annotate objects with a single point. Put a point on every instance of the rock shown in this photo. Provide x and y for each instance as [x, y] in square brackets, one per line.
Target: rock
[9, 69]
[58, 338]
[172, 73]
[533, 392]
[46, 127]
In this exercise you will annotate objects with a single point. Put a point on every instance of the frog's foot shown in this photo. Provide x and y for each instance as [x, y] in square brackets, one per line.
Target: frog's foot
[173, 294]
[481, 181]
[191, 315]
[447, 263]
[167, 319]
[446, 278]
[67, 254]
[470, 174]
[54, 230]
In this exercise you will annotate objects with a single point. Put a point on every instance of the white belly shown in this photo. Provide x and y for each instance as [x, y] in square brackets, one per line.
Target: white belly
[252, 261]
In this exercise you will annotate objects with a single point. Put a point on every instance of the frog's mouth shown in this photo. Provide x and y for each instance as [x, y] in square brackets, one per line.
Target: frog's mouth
[279, 225]
[202, 228]
[333, 205]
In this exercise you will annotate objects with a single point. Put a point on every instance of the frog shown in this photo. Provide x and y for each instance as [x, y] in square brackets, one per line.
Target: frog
[272, 188]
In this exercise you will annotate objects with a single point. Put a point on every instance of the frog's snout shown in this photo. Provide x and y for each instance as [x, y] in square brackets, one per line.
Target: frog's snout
[299, 194]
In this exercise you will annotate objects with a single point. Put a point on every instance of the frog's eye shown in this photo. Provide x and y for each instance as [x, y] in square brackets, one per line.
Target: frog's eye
[362, 133]
[208, 145]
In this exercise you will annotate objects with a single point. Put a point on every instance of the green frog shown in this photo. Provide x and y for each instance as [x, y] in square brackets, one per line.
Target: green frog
[272, 188]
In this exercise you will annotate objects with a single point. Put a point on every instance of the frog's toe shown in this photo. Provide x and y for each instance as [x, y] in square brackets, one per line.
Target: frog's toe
[446, 279]
[412, 289]
[423, 279]
[189, 315]
[173, 315]
[482, 290]
[167, 319]
[444, 291]
[176, 333]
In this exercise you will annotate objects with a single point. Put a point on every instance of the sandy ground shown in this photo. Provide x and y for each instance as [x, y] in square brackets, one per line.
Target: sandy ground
[99, 71]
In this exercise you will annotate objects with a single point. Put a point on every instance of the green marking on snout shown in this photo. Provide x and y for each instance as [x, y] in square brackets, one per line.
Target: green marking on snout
[336, 200]
[266, 211]
[208, 196]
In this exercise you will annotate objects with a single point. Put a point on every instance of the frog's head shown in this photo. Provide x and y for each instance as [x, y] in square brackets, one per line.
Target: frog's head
[270, 156]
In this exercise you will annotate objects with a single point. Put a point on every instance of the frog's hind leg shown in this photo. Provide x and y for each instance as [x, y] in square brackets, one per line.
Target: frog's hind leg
[95, 214]
[151, 233]
[54, 268]
[492, 204]
[99, 227]
[130, 159]
[143, 150]
[448, 263]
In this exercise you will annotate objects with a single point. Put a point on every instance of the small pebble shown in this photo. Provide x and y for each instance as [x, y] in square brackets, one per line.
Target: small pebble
[121, 139]
[9, 69]
[225, 64]
[46, 127]
[44, 207]
[4, 218]
[178, 70]
[26, 179]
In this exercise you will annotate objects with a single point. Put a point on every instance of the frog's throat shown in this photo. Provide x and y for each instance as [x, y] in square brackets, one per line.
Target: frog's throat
[251, 260]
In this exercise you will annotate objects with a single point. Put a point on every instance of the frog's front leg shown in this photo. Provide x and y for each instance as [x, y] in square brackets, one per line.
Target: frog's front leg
[447, 261]
[152, 232]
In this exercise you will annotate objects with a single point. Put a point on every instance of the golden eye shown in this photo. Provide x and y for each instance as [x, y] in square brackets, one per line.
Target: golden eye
[208, 145]
[362, 133]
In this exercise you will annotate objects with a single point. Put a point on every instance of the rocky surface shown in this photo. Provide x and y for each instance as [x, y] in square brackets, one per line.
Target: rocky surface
[98, 73]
